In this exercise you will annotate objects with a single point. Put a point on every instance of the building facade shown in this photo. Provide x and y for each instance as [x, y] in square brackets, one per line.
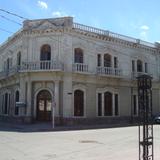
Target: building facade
[77, 73]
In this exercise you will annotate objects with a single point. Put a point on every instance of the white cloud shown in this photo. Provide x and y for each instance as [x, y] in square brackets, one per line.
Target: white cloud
[59, 14]
[143, 35]
[144, 32]
[42, 4]
[144, 27]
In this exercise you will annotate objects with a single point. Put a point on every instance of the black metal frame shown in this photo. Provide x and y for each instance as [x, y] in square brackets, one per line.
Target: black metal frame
[145, 117]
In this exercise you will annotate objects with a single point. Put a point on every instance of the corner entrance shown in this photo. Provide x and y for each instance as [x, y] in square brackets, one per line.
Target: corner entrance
[44, 106]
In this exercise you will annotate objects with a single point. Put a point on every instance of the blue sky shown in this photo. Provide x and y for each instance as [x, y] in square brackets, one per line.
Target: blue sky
[136, 18]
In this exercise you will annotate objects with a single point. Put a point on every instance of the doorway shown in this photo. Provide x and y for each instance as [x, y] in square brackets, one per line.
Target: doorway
[44, 106]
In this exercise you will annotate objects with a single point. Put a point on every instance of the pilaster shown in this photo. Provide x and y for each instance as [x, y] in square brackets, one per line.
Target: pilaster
[67, 96]
[56, 98]
[22, 95]
[29, 98]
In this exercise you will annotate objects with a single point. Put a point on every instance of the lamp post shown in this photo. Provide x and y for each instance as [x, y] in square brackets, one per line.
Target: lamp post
[145, 117]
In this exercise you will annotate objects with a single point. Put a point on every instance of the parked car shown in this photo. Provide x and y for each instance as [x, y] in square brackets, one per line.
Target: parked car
[157, 119]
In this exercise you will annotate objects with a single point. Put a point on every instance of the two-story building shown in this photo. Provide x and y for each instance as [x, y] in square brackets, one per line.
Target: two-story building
[87, 75]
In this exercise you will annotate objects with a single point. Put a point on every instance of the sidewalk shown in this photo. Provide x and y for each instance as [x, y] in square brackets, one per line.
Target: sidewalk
[44, 127]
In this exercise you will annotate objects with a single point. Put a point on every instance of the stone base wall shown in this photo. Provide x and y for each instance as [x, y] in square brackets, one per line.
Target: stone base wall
[16, 120]
[62, 121]
[97, 121]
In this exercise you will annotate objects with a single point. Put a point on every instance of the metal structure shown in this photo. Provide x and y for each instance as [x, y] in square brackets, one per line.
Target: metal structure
[145, 117]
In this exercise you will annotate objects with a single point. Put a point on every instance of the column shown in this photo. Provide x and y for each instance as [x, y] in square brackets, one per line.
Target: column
[113, 104]
[102, 60]
[67, 96]
[135, 62]
[56, 98]
[29, 98]
[22, 95]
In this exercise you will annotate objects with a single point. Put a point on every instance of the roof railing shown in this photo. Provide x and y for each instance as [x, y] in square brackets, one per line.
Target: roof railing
[112, 34]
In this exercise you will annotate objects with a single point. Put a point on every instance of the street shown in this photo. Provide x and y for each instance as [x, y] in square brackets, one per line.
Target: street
[93, 144]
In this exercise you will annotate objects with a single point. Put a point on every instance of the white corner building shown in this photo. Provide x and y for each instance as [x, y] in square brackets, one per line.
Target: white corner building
[75, 74]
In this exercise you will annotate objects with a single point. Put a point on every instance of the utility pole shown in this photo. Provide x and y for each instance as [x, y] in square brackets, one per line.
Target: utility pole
[145, 117]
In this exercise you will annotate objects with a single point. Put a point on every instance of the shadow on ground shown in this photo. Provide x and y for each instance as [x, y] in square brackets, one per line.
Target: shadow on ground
[47, 127]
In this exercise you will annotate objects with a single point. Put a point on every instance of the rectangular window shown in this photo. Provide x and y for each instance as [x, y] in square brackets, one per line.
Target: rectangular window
[9, 102]
[116, 105]
[146, 68]
[2, 104]
[134, 105]
[6, 104]
[8, 61]
[133, 66]
[115, 62]
[98, 60]
[99, 104]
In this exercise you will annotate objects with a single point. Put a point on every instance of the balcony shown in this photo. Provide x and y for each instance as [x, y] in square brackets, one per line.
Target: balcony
[109, 71]
[32, 66]
[136, 74]
[9, 72]
[80, 67]
[42, 66]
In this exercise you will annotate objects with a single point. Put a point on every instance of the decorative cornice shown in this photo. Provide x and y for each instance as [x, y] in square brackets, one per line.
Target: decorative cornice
[88, 34]
[117, 41]
[11, 40]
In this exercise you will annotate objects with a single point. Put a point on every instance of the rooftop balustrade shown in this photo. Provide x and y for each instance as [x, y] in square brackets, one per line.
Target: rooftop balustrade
[112, 34]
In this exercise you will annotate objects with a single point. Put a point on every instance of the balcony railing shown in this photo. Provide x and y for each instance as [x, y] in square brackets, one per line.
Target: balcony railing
[80, 67]
[136, 74]
[109, 71]
[9, 72]
[32, 66]
[41, 65]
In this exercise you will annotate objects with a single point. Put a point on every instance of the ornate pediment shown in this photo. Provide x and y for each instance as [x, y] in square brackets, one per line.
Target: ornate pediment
[46, 25]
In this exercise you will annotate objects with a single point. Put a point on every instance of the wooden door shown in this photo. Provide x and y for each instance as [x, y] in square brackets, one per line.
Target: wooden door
[44, 109]
[107, 104]
[78, 103]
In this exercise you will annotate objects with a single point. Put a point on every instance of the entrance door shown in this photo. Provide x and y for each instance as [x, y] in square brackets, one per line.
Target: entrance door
[78, 103]
[44, 106]
[107, 104]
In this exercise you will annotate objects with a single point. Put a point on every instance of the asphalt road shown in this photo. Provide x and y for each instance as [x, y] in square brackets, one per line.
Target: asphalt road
[94, 144]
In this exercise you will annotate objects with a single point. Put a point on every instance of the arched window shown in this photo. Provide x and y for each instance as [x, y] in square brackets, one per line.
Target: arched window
[107, 104]
[78, 55]
[139, 66]
[107, 60]
[45, 53]
[16, 100]
[78, 103]
[19, 58]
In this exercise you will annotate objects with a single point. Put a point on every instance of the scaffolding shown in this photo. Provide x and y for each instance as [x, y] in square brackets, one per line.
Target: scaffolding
[145, 117]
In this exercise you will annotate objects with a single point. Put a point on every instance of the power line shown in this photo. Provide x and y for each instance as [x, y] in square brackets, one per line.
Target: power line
[11, 13]
[6, 31]
[10, 20]
[65, 44]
